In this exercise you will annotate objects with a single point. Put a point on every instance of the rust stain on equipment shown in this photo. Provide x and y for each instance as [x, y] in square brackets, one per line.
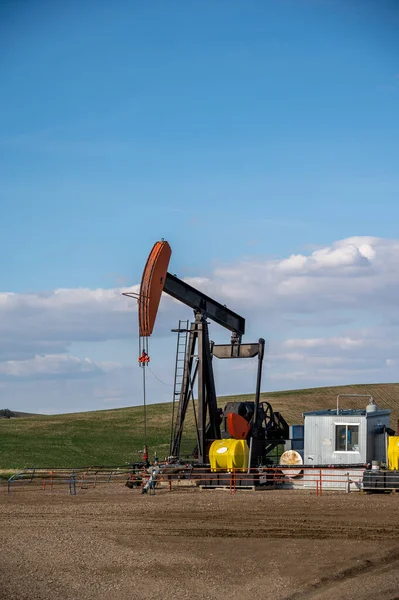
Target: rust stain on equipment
[152, 284]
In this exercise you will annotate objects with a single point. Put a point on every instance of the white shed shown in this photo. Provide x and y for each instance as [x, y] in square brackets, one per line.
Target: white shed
[345, 437]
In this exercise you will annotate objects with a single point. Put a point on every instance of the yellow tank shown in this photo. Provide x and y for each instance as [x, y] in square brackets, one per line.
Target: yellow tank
[229, 455]
[393, 453]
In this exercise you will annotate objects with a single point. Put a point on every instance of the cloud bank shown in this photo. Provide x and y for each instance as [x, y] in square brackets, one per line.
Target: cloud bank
[330, 316]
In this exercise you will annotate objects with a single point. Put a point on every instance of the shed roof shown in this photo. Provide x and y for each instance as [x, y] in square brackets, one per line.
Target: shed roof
[346, 412]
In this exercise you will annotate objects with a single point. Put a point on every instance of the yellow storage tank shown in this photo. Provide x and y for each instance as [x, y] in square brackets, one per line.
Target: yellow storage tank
[393, 453]
[229, 455]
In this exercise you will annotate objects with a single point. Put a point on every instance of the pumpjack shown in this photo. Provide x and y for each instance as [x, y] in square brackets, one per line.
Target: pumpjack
[262, 428]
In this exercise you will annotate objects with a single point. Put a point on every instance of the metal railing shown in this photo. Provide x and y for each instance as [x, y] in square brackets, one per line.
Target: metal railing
[317, 479]
[72, 479]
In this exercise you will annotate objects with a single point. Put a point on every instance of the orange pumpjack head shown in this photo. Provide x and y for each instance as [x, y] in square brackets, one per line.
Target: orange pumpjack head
[237, 426]
[152, 284]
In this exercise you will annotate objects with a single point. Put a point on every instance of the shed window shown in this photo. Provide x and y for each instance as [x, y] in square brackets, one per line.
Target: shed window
[347, 438]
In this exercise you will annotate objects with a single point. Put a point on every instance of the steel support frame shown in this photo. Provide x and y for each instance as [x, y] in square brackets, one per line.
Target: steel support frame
[207, 418]
[187, 390]
[207, 403]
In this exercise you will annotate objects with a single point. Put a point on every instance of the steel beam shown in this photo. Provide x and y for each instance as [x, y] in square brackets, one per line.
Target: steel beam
[185, 293]
[202, 405]
[235, 350]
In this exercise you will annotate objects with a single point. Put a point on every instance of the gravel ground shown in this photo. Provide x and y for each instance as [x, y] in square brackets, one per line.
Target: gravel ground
[112, 542]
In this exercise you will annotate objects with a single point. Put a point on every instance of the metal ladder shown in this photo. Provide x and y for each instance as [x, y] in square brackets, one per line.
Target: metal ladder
[181, 350]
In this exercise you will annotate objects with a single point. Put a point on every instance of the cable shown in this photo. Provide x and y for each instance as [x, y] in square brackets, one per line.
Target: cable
[160, 380]
[145, 408]
[143, 346]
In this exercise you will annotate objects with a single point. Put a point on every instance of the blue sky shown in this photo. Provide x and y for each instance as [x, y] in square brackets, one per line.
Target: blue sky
[239, 131]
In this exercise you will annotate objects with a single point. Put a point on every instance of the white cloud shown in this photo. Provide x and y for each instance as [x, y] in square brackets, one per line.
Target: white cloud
[67, 315]
[296, 299]
[22, 349]
[357, 272]
[52, 365]
[339, 342]
[335, 257]
[365, 356]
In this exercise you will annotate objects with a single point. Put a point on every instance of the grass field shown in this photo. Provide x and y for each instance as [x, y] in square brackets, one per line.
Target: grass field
[114, 437]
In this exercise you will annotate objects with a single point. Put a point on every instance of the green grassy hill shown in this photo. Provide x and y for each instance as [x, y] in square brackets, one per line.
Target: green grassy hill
[114, 437]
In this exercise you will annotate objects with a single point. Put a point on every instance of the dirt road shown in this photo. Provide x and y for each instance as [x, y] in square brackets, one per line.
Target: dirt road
[112, 542]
